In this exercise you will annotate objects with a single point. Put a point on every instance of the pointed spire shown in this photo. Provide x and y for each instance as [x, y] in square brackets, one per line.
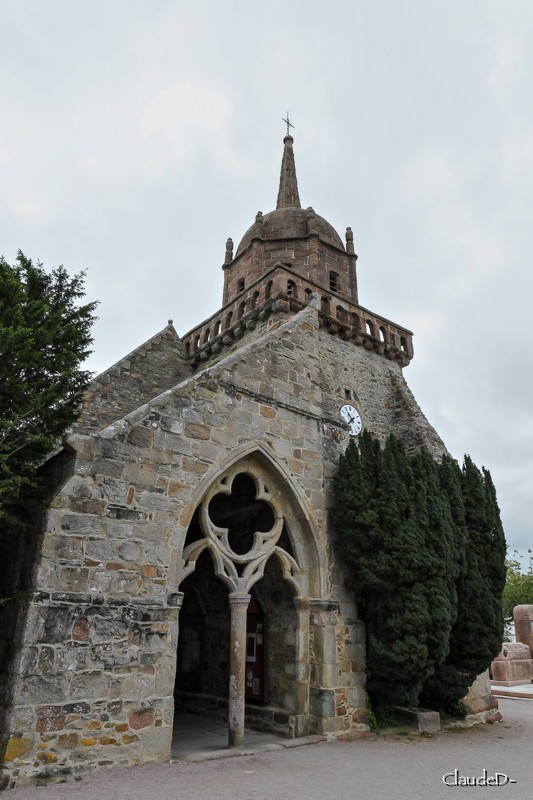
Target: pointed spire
[288, 184]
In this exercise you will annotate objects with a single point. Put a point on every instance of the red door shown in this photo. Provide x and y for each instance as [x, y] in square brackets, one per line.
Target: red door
[255, 651]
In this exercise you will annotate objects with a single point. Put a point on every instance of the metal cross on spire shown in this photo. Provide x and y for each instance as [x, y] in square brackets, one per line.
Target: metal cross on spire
[288, 123]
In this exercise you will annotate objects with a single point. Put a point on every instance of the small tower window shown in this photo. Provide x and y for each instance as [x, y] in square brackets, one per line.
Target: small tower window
[218, 325]
[268, 290]
[333, 282]
[240, 312]
[240, 285]
[291, 289]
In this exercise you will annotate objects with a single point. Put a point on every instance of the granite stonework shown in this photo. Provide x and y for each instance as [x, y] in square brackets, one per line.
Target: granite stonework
[158, 364]
[513, 665]
[129, 539]
[523, 623]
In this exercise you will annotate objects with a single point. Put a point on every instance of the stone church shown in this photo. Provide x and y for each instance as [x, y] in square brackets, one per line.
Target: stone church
[186, 561]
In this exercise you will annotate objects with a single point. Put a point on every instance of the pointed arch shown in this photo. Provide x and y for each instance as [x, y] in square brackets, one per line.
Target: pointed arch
[306, 569]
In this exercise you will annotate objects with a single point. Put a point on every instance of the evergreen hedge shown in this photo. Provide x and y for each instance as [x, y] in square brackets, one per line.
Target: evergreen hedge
[424, 551]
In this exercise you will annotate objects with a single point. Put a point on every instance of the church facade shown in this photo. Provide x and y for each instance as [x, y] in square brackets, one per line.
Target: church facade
[186, 561]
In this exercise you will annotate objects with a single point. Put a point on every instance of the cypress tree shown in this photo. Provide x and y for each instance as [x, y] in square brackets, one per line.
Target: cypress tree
[478, 628]
[424, 550]
[399, 612]
[495, 569]
[450, 680]
[393, 548]
[439, 568]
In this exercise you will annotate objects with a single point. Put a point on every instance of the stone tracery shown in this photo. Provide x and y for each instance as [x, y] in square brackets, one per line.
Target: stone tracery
[240, 571]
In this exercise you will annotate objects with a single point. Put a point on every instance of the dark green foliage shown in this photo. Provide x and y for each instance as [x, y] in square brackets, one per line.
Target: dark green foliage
[422, 543]
[44, 337]
[518, 584]
[477, 634]
[450, 680]
[486, 559]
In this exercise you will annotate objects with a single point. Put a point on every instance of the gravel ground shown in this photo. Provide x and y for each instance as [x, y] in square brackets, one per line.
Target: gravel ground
[395, 765]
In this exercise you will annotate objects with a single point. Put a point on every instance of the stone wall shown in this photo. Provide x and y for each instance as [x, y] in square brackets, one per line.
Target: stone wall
[281, 632]
[158, 364]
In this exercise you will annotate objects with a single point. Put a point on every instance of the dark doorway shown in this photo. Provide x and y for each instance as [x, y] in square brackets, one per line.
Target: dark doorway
[255, 651]
[190, 644]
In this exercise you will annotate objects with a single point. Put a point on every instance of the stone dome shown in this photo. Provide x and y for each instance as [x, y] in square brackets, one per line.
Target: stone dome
[291, 223]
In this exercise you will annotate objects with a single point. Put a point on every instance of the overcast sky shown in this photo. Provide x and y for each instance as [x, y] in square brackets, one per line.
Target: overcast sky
[137, 135]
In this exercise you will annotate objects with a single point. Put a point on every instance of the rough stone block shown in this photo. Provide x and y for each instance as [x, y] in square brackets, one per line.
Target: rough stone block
[89, 685]
[32, 689]
[156, 743]
[195, 431]
[17, 747]
[424, 721]
[136, 686]
[141, 719]
[141, 436]
[73, 579]
[321, 702]
[109, 629]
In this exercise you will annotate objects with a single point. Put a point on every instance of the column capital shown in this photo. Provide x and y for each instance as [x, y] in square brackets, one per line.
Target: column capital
[176, 599]
[238, 598]
[301, 603]
[318, 604]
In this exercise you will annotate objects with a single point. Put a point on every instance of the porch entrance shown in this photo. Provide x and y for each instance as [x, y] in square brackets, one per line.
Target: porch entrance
[240, 642]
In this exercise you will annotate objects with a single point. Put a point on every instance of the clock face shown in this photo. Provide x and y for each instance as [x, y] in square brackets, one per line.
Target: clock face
[352, 417]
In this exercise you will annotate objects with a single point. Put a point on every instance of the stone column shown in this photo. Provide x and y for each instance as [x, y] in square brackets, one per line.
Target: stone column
[238, 603]
[301, 727]
[523, 623]
[324, 671]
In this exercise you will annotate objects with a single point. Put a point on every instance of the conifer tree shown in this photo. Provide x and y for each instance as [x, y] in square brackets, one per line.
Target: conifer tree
[495, 569]
[480, 622]
[397, 566]
[450, 681]
[424, 550]
[44, 337]
[439, 567]
[397, 615]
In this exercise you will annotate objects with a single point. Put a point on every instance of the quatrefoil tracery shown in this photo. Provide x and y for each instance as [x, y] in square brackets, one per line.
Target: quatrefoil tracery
[245, 503]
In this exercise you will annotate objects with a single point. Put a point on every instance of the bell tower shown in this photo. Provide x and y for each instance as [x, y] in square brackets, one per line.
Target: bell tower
[285, 257]
[295, 237]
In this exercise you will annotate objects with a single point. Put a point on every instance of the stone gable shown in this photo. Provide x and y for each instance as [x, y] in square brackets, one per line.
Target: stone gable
[156, 365]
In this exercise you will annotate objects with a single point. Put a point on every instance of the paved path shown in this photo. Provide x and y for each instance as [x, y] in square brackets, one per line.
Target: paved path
[387, 767]
[523, 691]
